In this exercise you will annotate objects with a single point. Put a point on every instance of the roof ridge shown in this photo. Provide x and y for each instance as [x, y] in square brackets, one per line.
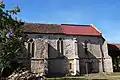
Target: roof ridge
[40, 23]
[76, 24]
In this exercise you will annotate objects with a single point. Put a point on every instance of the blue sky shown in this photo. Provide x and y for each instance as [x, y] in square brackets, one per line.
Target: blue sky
[104, 14]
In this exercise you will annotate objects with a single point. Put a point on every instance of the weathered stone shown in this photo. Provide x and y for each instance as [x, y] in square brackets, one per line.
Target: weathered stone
[48, 56]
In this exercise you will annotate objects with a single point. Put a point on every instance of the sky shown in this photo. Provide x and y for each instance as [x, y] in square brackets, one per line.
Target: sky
[103, 14]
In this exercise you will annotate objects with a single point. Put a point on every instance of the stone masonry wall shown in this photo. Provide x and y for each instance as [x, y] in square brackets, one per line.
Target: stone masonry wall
[94, 55]
[107, 59]
[40, 52]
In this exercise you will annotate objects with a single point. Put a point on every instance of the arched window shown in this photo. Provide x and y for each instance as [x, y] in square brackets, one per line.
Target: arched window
[70, 64]
[28, 48]
[31, 47]
[85, 46]
[60, 47]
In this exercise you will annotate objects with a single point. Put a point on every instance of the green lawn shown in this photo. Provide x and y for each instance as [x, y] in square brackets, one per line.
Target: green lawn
[99, 76]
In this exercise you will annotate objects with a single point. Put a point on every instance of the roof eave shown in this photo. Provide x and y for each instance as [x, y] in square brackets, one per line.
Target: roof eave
[60, 34]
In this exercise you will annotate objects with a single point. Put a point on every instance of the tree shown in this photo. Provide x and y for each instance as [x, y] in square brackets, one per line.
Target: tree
[11, 36]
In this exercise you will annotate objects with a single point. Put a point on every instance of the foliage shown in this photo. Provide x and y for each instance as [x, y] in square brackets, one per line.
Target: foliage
[11, 36]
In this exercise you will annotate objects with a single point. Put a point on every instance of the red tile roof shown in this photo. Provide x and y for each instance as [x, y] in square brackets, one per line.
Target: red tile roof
[70, 29]
[79, 29]
[113, 46]
[41, 28]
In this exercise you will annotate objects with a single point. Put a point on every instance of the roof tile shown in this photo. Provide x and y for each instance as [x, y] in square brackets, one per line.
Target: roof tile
[70, 29]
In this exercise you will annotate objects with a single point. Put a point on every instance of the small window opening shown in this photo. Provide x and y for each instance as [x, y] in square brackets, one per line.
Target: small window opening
[60, 47]
[85, 46]
[70, 65]
[31, 47]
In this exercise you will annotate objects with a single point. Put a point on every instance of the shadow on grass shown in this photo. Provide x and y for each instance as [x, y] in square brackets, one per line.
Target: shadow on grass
[67, 79]
[73, 79]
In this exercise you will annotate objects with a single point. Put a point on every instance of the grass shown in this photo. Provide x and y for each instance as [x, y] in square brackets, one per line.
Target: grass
[98, 76]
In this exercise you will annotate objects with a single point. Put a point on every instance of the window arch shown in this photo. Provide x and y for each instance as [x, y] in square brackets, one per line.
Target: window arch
[60, 47]
[31, 47]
